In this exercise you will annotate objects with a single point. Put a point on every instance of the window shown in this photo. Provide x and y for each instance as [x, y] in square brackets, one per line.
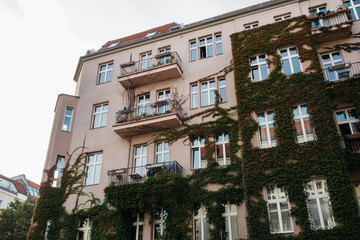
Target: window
[194, 96]
[223, 149]
[348, 121]
[208, 96]
[163, 98]
[84, 230]
[67, 119]
[159, 222]
[164, 59]
[100, 115]
[279, 209]
[105, 73]
[222, 90]
[320, 22]
[137, 227]
[319, 204]
[290, 60]
[145, 61]
[193, 51]
[330, 61]
[143, 104]
[208, 93]
[206, 47]
[162, 152]
[198, 153]
[140, 160]
[259, 68]
[93, 168]
[201, 224]
[251, 26]
[218, 44]
[282, 17]
[58, 172]
[113, 44]
[0, 203]
[304, 131]
[357, 192]
[231, 222]
[266, 129]
[33, 192]
[354, 7]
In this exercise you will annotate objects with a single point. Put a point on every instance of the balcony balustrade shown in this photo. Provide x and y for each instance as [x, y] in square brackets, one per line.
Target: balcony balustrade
[331, 26]
[141, 173]
[342, 71]
[148, 118]
[352, 142]
[162, 67]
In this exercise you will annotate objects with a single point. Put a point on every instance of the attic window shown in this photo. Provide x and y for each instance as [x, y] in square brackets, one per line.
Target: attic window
[113, 44]
[151, 34]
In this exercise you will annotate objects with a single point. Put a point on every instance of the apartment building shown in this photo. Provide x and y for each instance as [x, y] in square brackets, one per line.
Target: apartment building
[254, 113]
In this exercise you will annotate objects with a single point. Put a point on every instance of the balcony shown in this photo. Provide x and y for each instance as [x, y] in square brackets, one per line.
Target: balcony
[352, 142]
[140, 173]
[148, 118]
[331, 26]
[342, 72]
[162, 67]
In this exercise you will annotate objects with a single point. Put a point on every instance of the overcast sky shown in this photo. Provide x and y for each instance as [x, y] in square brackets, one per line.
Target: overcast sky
[41, 42]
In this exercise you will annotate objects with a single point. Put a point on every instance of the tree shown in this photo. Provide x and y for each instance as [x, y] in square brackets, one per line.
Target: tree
[15, 220]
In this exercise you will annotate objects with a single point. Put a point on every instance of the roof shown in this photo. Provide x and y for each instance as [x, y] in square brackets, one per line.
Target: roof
[33, 185]
[19, 187]
[138, 36]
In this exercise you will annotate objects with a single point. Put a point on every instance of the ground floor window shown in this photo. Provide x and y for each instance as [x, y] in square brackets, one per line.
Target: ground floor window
[84, 230]
[231, 222]
[137, 227]
[159, 223]
[201, 224]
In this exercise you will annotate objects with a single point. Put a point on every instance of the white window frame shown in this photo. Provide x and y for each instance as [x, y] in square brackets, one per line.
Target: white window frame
[352, 7]
[198, 144]
[137, 224]
[275, 198]
[96, 164]
[140, 160]
[227, 214]
[218, 43]
[202, 217]
[208, 44]
[222, 144]
[143, 107]
[315, 11]
[102, 114]
[165, 59]
[251, 25]
[220, 87]
[66, 127]
[282, 17]
[194, 95]
[163, 151]
[160, 222]
[161, 109]
[332, 75]
[290, 57]
[86, 229]
[145, 61]
[303, 117]
[58, 171]
[193, 50]
[317, 196]
[267, 123]
[347, 121]
[107, 72]
[208, 92]
[257, 66]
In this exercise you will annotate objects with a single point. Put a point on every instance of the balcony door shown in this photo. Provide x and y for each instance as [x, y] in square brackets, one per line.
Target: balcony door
[140, 160]
[333, 66]
[143, 105]
[163, 98]
[145, 61]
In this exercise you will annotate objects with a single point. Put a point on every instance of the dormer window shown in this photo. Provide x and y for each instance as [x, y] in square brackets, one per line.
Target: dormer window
[151, 34]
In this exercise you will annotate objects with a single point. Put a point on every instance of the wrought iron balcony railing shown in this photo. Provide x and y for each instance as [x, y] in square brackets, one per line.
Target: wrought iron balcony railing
[140, 173]
[148, 111]
[322, 19]
[352, 142]
[342, 71]
[159, 60]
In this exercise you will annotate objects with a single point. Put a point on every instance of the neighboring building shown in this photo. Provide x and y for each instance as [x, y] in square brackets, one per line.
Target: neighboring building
[289, 136]
[17, 188]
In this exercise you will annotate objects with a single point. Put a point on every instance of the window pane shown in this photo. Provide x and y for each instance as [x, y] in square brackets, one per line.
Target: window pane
[325, 209]
[336, 56]
[274, 218]
[314, 214]
[194, 101]
[285, 215]
[108, 76]
[209, 51]
[270, 116]
[204, 99]
[253, 60]
[197, 229]
[223, 95]
[353, 114]
[66, 126]
[196, 157]
[341, 116]
[158, 158]
[194, 88]
[212, 97]
[255, 74]
[97, 174]
[264, 71]
[159, 147]
[284, 53]
[261, 117]
[193, 55]
[286, 67]
[296, 64]
[103, 119]
[68, 111]
[219, 48]
[89, 175]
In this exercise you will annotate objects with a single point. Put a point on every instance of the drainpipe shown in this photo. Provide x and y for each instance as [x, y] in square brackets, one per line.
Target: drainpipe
[128, 163]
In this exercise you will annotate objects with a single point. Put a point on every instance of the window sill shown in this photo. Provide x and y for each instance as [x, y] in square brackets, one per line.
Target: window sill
[97, 128]
[103, 83]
